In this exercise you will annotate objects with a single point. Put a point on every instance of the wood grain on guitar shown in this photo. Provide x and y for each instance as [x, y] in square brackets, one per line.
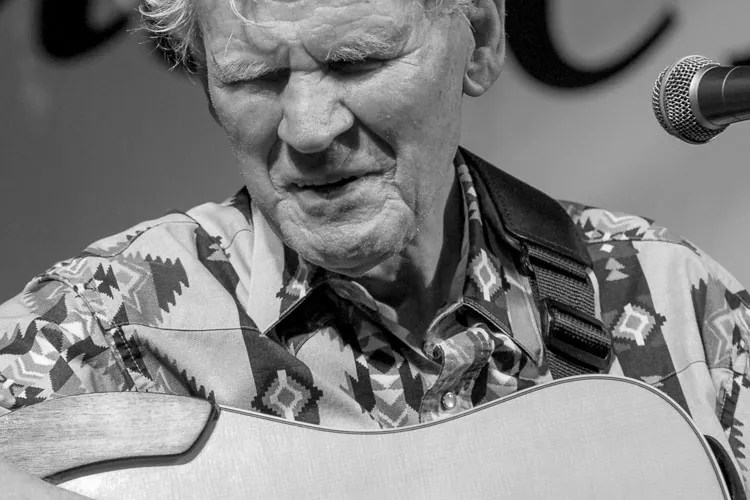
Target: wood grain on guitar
[585, 437]
[63, 434]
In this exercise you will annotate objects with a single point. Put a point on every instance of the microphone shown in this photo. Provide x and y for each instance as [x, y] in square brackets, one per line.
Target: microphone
[695, 99]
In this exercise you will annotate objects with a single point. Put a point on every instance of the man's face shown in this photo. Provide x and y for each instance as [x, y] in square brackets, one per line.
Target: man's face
[344, 116]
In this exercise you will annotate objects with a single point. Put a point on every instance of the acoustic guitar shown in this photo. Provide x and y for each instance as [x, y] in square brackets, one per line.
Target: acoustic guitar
[586, 437]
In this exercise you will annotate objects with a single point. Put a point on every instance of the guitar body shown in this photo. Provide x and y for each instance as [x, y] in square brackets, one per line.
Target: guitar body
[587, 437]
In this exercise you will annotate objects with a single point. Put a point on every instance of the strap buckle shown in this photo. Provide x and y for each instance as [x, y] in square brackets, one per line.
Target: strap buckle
[575, 335]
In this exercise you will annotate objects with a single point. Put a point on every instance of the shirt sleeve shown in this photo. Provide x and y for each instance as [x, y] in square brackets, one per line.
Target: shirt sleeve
[723, 310]
[51, 345]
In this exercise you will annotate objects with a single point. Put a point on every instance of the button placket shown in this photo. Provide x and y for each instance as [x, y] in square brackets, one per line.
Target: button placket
[462, 356]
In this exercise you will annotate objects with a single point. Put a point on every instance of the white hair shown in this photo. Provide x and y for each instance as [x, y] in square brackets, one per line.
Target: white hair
[174, 24]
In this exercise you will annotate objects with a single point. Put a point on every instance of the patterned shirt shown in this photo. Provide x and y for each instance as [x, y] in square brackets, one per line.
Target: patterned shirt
[211, 303]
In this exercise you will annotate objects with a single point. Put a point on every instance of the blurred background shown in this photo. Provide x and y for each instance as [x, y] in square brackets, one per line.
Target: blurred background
[97, 135]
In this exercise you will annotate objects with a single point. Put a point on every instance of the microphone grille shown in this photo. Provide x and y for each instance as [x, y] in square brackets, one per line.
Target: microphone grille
[670, 100]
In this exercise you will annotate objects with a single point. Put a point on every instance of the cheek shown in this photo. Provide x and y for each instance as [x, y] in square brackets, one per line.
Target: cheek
[418, 125]
[408, 108]
[250, 122]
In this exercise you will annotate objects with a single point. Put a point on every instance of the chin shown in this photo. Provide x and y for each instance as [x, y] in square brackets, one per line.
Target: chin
[351, 250]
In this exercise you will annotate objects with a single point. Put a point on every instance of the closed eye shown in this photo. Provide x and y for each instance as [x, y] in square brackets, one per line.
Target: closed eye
[280, 75]
[275, 77]
[359, 66]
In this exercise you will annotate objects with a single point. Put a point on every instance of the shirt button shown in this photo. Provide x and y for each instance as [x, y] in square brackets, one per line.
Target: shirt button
[448, 401]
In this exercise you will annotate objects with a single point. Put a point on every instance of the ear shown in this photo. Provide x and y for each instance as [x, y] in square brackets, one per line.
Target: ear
[487, 19]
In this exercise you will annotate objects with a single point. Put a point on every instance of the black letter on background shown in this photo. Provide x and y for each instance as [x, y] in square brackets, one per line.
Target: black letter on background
[531, 42]
[65, 31]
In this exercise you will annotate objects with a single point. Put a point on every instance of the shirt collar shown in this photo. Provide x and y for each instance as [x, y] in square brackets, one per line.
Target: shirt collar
[485, 282]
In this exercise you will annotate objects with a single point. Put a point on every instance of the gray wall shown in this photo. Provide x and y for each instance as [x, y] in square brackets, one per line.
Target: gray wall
[91, 146]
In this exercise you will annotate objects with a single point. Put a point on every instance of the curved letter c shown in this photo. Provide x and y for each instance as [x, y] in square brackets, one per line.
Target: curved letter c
[530, 40]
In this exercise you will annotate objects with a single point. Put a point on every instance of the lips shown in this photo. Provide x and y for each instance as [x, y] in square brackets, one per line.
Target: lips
[326, 182]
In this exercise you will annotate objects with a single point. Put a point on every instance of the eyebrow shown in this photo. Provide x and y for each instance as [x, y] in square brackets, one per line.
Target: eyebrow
[243, 70]
[364, 45]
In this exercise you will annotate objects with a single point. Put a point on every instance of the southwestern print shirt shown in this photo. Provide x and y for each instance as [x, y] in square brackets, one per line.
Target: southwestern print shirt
[211, 303]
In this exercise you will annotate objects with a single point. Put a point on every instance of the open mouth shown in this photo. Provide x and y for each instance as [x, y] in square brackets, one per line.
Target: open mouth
[340, 189]
[327, 187]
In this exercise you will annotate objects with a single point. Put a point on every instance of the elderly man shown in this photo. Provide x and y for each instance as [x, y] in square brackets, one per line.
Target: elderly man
[372, 274]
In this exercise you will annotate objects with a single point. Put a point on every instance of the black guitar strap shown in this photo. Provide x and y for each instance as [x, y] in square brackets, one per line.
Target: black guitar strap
[551, 253]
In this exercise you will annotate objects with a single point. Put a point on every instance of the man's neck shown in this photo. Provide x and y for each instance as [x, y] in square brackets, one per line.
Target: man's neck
[418, 281]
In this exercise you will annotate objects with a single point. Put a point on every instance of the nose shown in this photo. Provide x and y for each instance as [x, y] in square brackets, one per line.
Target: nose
[313, 114]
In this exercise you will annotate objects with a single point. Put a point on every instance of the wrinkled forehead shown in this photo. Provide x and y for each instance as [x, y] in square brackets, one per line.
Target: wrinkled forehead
[264, 24]
[301, 10]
